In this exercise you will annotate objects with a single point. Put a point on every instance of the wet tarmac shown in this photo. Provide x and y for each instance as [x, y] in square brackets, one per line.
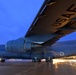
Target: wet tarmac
[57, 67]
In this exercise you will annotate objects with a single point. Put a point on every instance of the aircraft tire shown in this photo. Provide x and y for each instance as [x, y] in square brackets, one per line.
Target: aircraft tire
[48, 59]
[2, 60]
[36, 60]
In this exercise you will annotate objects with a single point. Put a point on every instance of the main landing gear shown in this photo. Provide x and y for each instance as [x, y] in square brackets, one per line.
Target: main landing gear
[48, 59]
[35, 59]
[2, 60]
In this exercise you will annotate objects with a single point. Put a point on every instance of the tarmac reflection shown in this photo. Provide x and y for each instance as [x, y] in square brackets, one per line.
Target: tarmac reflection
[71, 62]
[55, 61]
[57, 67]
[63, 60]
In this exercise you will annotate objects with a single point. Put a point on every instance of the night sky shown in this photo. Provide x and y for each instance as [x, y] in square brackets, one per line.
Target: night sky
[16, 17]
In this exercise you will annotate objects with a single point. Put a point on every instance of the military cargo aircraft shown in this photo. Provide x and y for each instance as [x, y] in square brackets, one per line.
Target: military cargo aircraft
[55, 19]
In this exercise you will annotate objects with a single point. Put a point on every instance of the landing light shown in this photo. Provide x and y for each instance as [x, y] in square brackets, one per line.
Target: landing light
[63, 60]
[58, 61]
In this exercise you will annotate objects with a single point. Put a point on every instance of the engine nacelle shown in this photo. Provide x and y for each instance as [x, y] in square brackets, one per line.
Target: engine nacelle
[20, 45]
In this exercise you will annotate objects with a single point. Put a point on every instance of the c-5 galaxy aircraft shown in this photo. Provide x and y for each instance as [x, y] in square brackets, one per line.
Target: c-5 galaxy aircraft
[55, 19]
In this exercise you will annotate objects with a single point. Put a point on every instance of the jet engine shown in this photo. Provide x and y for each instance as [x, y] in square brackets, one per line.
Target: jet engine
[20, 45]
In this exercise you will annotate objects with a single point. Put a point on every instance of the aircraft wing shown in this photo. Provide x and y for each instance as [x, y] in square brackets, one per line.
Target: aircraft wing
[55, 19]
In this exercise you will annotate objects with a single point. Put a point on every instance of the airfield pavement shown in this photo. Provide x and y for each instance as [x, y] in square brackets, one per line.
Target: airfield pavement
[38, 68]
